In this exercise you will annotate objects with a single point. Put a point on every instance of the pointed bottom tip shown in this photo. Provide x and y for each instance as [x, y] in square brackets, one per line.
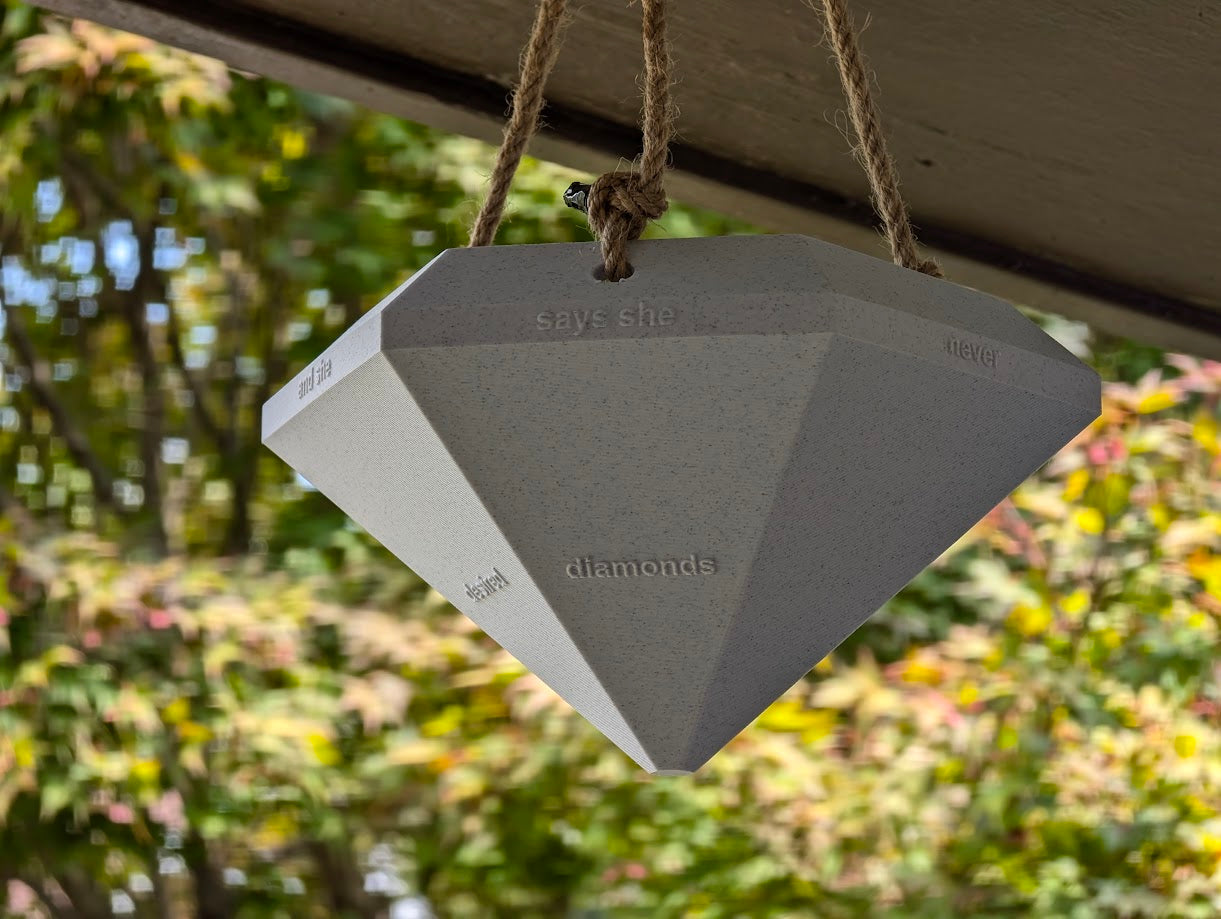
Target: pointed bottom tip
[672, 772]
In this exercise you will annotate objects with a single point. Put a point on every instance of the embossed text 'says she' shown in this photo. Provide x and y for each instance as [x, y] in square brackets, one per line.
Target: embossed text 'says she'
[577, 322]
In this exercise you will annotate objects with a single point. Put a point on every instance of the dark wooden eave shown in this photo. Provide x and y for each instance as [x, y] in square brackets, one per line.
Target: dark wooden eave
[1063, 156]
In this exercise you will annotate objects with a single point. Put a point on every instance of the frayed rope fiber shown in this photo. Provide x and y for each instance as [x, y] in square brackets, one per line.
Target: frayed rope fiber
[537, 60]
[872, 150]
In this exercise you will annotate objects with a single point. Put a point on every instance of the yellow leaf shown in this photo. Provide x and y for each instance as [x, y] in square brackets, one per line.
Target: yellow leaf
[31, 674]
[275, 831]
[1185, 745]
[23, 752]
[994, 658]
[1206, 568]
[177, 711]
[968, 694]
[194, 732]
[1075, 603]
[63, 656]
[189, 163]
[324, 750]
[1210, 843]
[1205, 433]
[1090, 520]
[450, 719]
[1074, 488]
[920, 671]
[1200, 811]
[1156, 401]
[292, 145]
[1160, 515]
[791, 716]
[146, 770]
[1030, 620]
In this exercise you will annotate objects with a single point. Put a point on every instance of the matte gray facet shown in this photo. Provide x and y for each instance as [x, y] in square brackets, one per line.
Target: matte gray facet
[672, 496]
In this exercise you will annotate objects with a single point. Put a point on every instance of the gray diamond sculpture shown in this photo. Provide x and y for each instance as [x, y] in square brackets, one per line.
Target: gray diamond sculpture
[672, 496]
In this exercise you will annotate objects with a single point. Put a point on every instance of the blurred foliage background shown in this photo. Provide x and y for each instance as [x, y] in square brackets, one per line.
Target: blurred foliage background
[218, 698]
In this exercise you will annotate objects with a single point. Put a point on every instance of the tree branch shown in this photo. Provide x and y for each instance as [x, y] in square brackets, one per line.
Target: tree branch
[242, 462]
[207, 421]
[134, 308]
[79, 175]
[44, 391]
[76, 168]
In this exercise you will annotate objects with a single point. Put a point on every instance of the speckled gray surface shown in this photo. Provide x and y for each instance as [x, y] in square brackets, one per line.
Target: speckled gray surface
[672, 496]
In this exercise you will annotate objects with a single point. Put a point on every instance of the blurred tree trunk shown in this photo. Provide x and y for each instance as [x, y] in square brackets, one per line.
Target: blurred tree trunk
[135, 309]
[344, 881]
[211, 895]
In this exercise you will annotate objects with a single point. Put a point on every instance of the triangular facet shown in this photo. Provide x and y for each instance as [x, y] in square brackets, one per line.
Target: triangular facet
[601, 459]
[895, 460]
[390, 472]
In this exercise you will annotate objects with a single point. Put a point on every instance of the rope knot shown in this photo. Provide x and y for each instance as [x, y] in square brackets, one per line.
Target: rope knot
[626, 194]
[621, 204]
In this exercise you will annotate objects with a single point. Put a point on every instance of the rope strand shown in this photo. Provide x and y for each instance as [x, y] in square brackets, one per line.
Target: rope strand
[621, 204]
[657, 124]
[536, 64]
[872, 150]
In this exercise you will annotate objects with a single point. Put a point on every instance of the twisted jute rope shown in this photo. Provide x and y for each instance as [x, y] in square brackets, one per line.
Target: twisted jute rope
[537, 60]
[872, 150]
[621, 204]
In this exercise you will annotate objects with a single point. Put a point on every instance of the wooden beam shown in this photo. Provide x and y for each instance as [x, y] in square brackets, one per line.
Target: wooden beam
[253, 39]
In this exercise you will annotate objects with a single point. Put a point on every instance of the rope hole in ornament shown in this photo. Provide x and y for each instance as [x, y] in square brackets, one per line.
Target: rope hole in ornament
[599, 272]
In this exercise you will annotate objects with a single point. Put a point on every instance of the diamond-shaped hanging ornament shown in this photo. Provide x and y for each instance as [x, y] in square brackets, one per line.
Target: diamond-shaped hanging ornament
[670, 497]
